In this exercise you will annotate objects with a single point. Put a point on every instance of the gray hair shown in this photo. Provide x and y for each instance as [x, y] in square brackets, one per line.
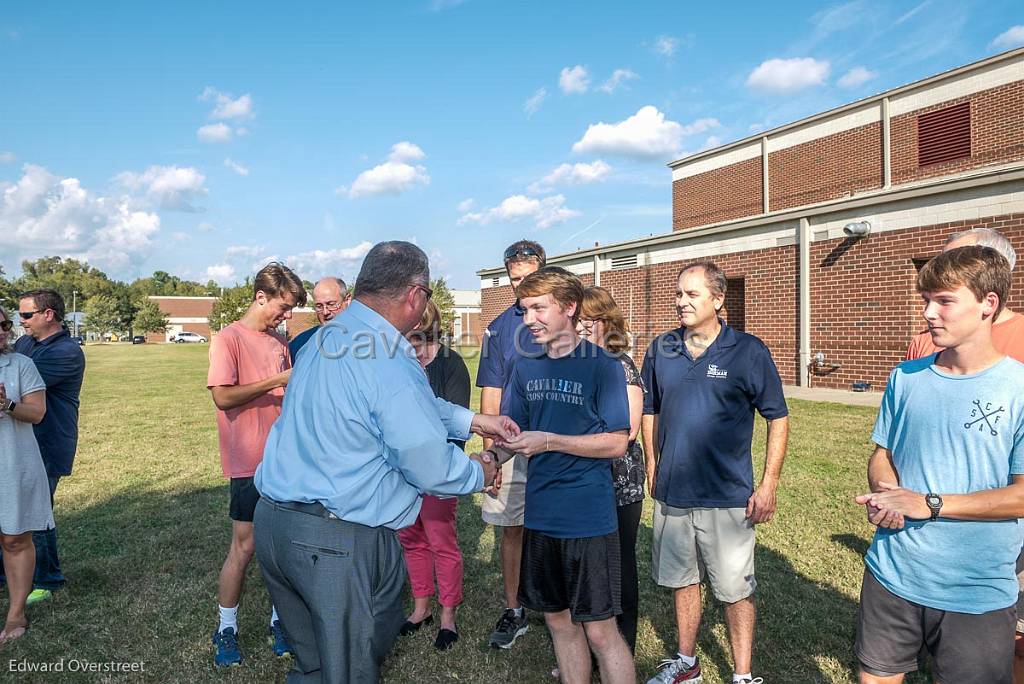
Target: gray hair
[714, 277]
[390, 267]
[6, 346]
[342, 287]
[986, 237]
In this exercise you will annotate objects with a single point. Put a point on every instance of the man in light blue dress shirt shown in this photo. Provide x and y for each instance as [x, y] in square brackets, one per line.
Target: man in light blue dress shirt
[360, 438]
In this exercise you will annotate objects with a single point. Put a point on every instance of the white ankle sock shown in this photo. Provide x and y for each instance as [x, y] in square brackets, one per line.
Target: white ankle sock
[273, 615]
[738, 678]
[518, 611]
[688, 661]
[228, 618]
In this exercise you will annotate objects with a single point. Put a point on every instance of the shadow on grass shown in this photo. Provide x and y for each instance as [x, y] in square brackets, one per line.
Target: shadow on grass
[855, 543]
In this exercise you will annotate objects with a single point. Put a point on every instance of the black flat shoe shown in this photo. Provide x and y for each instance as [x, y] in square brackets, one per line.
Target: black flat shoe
[413, 627]
[446, 638]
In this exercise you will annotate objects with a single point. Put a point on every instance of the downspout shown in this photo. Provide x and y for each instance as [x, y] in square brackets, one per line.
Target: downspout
[765, 204]
[804, 268]
[597, 270]
[886, 146]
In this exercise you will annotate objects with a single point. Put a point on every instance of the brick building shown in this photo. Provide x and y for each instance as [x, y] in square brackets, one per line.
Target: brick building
[184, 314]
[774, 210]
[467, 329]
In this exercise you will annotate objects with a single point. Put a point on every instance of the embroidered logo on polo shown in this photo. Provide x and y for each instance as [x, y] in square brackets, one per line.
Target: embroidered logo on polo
[985, 417]
[715, 372]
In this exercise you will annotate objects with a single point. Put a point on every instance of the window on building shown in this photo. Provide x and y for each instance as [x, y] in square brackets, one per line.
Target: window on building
[944, 134]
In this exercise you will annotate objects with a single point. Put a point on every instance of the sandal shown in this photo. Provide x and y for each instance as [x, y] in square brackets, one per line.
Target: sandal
[12, 632]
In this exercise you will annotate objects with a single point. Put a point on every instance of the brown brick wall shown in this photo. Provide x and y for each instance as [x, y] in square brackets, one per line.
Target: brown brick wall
[471, 329]
[300, 322]
[864, 308]
[730, 192]
[185, 307]
[997, 134]
[830, 167]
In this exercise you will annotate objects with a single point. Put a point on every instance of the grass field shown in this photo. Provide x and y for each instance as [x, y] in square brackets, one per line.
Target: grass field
[144, 529]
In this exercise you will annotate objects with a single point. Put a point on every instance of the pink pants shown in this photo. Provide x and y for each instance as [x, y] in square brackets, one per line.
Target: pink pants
[432, 545]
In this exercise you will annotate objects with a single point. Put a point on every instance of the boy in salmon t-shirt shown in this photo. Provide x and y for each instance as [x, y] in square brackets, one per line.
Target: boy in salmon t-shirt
[249, 369]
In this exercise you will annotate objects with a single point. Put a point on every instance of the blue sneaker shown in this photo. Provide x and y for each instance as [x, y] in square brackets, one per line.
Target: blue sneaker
[227, 654]
[278, 642]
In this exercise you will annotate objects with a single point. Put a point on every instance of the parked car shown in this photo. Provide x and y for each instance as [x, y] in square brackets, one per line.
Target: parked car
[79, 340]
[188, 337]
[139, 339]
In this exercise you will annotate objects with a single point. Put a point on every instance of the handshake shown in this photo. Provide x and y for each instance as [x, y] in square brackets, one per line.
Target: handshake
[500, 429]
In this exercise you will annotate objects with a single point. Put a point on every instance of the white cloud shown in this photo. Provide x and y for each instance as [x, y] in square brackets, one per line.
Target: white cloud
[8, 158]
[240, 169]
[248, 251]
[393, 177]
[572, 174]
[405, 152]
[48, 214]
[180, 236]
[214, 133]
[782, 76]
[466, 205]
[206, 227]
[227, 106]
[574, 79]
[544, 213]
[1012, 37]
[856, 76]
[222, 274]
[320, 262]
[533, 103]
[172, 188]
[646, 135]
[665, 46]
[618, 77]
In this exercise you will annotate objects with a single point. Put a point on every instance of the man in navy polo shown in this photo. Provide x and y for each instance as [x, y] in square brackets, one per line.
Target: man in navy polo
[505, 340]
[61, 363]
[705, 380]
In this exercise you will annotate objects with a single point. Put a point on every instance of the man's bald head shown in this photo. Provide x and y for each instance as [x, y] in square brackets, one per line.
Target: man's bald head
[330, 297]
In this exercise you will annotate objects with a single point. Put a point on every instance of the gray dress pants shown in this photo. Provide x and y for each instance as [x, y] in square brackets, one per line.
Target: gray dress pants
[337, 587]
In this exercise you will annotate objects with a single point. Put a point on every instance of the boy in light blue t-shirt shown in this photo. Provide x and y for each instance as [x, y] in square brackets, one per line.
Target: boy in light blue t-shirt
[947, 482]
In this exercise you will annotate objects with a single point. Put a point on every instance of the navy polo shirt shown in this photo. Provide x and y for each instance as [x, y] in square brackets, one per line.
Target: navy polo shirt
[61, 363]
[299, 341]
[705, 410]
[505, 340]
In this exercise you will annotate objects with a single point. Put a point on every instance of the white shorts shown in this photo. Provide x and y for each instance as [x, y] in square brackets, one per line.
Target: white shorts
[508, 508]
[690, 543]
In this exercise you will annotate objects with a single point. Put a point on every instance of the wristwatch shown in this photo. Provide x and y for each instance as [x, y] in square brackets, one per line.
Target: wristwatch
[934, 503]
[9, 406]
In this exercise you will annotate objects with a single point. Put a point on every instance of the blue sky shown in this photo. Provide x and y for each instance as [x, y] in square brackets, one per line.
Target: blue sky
[206, 138]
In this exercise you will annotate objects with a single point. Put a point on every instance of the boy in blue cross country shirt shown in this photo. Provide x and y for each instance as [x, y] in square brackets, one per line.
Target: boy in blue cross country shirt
[947, 482]
[571, 403]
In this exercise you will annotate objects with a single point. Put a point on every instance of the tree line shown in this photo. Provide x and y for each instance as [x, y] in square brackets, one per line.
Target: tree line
[113, 306]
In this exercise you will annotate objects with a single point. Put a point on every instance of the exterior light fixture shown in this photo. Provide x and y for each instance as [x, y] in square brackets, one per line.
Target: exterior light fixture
[857, 229]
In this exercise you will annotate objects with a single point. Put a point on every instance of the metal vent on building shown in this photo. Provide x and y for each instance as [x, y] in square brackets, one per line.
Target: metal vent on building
[944, 134]
[494, 282]
[628, 261]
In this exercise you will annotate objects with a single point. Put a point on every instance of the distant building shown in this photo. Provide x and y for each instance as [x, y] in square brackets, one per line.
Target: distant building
[467, 328]
[821, 225]
[184, 314]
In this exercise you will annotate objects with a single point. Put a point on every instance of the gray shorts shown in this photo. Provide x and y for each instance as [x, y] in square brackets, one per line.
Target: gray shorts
[508, 508]
[892, 631]
[1020, 593]
[691, 543]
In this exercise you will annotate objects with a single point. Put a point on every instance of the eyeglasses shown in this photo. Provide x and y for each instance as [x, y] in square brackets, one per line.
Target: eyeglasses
[426, 290]
[521, 251]
[6, 325]
[327, 306]
[25, 315]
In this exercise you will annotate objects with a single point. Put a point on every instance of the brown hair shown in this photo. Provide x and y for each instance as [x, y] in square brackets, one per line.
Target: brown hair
[566, 288]
[45, 298]
[429, 327]
[6, 346]
[599, 305]
[980, 269]
[275, 279]
[714, 277]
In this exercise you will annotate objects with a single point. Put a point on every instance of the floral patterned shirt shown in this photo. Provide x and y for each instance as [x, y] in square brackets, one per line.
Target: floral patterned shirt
[628, 472]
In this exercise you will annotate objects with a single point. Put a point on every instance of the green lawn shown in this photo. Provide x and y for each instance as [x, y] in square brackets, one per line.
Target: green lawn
[144, 529]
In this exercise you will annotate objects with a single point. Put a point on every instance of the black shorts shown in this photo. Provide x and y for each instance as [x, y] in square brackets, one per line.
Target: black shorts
[579, 575]
[965, 647]
[244, 497]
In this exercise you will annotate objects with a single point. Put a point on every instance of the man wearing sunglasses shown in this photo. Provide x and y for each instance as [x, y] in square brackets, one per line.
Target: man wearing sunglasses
[505, 340]
[61, 363]
[330, 298]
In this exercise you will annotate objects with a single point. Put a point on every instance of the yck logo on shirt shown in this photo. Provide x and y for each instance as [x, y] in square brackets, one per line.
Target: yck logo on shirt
[715, 372]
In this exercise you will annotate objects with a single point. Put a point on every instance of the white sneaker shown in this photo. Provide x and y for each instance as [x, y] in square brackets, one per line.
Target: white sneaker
[674, 671]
